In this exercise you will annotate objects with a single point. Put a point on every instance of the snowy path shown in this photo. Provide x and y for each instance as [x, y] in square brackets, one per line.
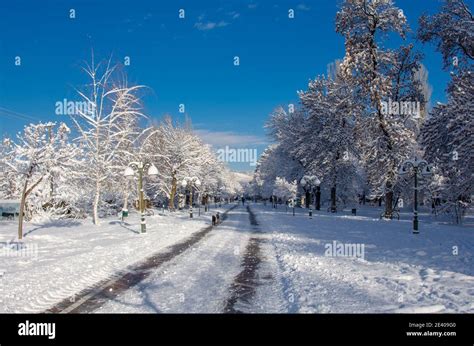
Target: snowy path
[277, 264]
[196, 281]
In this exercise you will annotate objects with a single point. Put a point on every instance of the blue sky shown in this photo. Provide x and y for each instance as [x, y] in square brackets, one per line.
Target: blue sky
[186, 61]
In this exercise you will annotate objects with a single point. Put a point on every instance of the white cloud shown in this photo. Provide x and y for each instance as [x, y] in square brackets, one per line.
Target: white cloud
[222, 23]
[252, 6]
[234, 15]
[209, 25]
[303, 7]
[223, 138]
[205, 26]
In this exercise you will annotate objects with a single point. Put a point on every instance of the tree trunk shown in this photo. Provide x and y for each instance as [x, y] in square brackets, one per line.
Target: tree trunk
[389, 205]
[318, 198]
[389, 201]
[333, 199]
[24, 194]
[95, 217]
[172, 193]
[307, 199]
[381, 123]
[22, 210]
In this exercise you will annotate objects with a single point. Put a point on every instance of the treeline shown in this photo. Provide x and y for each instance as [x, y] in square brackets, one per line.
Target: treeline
[58, 170]
[355, 126]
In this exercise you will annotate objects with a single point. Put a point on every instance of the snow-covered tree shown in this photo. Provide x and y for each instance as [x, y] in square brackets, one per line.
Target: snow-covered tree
[452, 30]
[275, 162]
[284, 190]
[446, 136]
[8, 184]
[233, 184]
[377, 76]
[178, 153]
[40, 158]
[101, 127]
[175, 151]
[449, 144]
[329, 147]
[216, 181]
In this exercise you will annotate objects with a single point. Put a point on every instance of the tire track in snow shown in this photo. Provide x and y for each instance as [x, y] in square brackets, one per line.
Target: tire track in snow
[244, 287]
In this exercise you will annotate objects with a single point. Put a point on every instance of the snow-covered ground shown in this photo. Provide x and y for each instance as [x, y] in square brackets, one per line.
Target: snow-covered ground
[393, 270]
[60, 258]
[399, 271]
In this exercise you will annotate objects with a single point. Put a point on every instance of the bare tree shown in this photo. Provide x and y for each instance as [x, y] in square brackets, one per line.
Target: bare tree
[112, 104]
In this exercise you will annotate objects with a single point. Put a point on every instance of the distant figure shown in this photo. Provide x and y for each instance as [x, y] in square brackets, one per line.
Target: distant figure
[218, 218]
[243, 201]
[214, 220]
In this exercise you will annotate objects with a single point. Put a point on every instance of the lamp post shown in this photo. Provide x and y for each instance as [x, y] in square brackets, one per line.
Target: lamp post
[333, 199]
[416, 166]
[318, 194]
[140, 167]
[309, 183]
[191, 182]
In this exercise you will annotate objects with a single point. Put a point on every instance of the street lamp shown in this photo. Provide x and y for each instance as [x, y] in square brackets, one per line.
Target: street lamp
[191, 182]
[140, 167]
[416, 166]
[309, 183]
